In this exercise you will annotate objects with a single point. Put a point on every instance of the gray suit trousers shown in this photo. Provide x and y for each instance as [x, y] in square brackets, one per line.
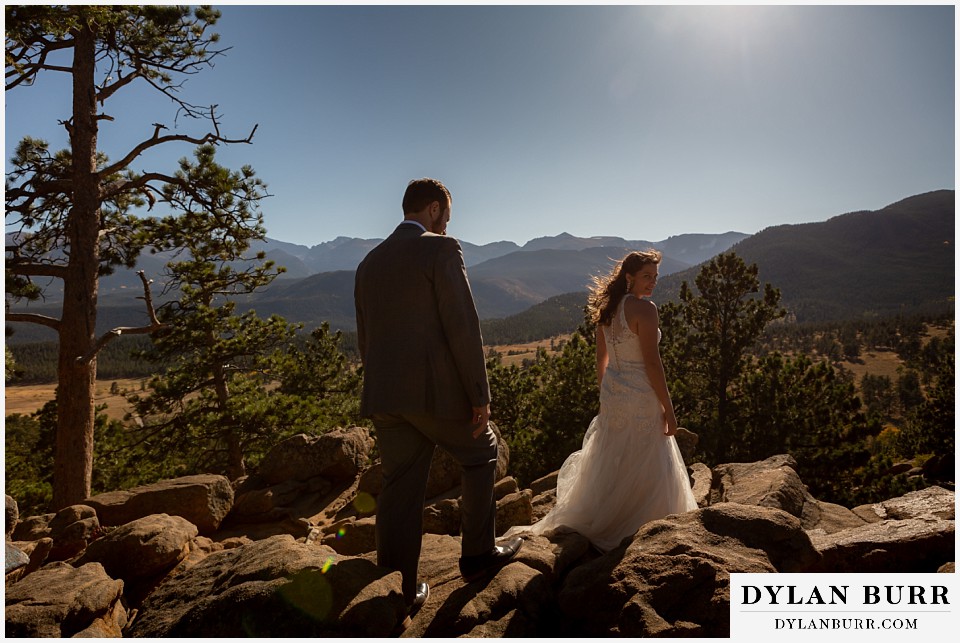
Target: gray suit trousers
[406, 443]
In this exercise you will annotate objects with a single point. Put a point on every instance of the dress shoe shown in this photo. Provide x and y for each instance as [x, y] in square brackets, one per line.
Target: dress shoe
[476, 567]
[423, 593]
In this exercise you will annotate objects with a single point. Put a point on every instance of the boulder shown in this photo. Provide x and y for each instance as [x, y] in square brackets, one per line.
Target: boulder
[445, 473]
[60, 601]
[514, 509]
[932, 501]
[352, 537]
[337, 455]
[72, 529]
[672, 577]
[701, 478]
[12, 516]
[542, 504]
[516, 601]
[687, 443]
[829, 517]
[275, 587]
[33, 527]
[769, 483]
[202, 499]
[442, 517]
[921, 544]
[144, 548]
[544, 484]
[504, 487]
[14, 558]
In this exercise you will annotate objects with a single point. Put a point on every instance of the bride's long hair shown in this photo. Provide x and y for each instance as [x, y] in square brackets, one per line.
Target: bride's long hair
[608, 290]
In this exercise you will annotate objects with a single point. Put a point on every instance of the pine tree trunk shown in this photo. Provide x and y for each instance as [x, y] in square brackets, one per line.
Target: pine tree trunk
[73, 459]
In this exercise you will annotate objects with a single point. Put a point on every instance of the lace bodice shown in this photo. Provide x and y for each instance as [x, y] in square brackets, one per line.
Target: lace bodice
[623, 345]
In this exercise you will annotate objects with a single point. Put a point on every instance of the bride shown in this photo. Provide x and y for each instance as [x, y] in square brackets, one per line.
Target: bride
[629, 470]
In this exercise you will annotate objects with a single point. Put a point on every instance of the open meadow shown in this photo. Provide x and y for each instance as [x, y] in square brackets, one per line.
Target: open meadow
[28, 398]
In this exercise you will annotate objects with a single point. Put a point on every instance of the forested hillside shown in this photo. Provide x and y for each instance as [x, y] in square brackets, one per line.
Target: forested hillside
[900, 259]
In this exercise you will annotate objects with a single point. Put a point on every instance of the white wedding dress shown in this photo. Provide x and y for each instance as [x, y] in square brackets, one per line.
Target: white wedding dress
[628, 472]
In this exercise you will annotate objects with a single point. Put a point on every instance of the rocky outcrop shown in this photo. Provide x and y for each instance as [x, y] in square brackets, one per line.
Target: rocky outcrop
[336, 455]
[299, 559]
[774, 483]
[275, 588]
[63, 601]
[672, 578]
[204, 500]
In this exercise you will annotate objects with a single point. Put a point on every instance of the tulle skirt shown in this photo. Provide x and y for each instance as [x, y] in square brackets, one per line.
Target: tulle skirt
[627, 474]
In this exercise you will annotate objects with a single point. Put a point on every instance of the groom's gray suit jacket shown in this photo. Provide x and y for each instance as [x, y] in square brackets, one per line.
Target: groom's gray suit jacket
[418, 329]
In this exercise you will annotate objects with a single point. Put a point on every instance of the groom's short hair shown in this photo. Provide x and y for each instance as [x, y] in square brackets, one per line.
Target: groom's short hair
[422, 192]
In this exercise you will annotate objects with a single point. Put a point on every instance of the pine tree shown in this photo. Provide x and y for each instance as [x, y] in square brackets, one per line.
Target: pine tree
[705, 340]
[79, 202]
[210, 395]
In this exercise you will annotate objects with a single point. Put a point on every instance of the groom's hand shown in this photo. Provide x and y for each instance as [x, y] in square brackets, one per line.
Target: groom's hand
[481, 416]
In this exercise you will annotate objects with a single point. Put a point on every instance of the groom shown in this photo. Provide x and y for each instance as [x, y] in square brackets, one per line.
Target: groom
[425, 384]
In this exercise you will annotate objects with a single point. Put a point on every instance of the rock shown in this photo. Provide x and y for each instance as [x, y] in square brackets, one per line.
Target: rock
[12, 516]
[554, 553]
[867, 513]
[261, 505]
[672, 577]
[830, 518]
[769, 483]
[940, 467]
[337, 455]
[14, 559]
[142, 549]
[72, 529]
[505, 487]
[898, 468]
[445, 473]
[371, 479]
[702, 479]
[60, 601]
[352, 537]
[947, 568]
[442, 517]
[67, 516]
[39, 552]
[687, 443]
[33, 527]
[932, 501]
[544, 484]
[514, 509]
[542, 504]
[202, 499]
[514, 602]
[919, 544]
[274, 588]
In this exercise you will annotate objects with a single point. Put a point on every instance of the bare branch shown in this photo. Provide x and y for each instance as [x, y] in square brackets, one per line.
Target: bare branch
[36, 269]
[34, 318]
[156, 139]
[110, 335]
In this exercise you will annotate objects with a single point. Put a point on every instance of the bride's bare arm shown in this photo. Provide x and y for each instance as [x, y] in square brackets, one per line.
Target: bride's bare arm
[645, 323]
[602, 357]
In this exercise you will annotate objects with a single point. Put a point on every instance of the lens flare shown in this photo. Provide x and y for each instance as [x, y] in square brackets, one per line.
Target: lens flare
[327, 564]
[364, 503]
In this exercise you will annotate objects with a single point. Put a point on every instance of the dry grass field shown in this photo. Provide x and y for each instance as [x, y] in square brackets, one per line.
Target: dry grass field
[516, 353]
[27, 399]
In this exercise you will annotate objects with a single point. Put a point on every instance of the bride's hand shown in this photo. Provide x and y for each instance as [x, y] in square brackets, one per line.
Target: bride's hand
[670, 424]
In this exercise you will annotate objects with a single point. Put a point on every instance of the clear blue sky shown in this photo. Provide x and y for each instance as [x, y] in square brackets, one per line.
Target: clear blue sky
[636, 121]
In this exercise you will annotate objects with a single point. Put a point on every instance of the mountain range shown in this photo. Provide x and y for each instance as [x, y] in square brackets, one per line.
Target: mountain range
[900, 259]
[866, 263]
